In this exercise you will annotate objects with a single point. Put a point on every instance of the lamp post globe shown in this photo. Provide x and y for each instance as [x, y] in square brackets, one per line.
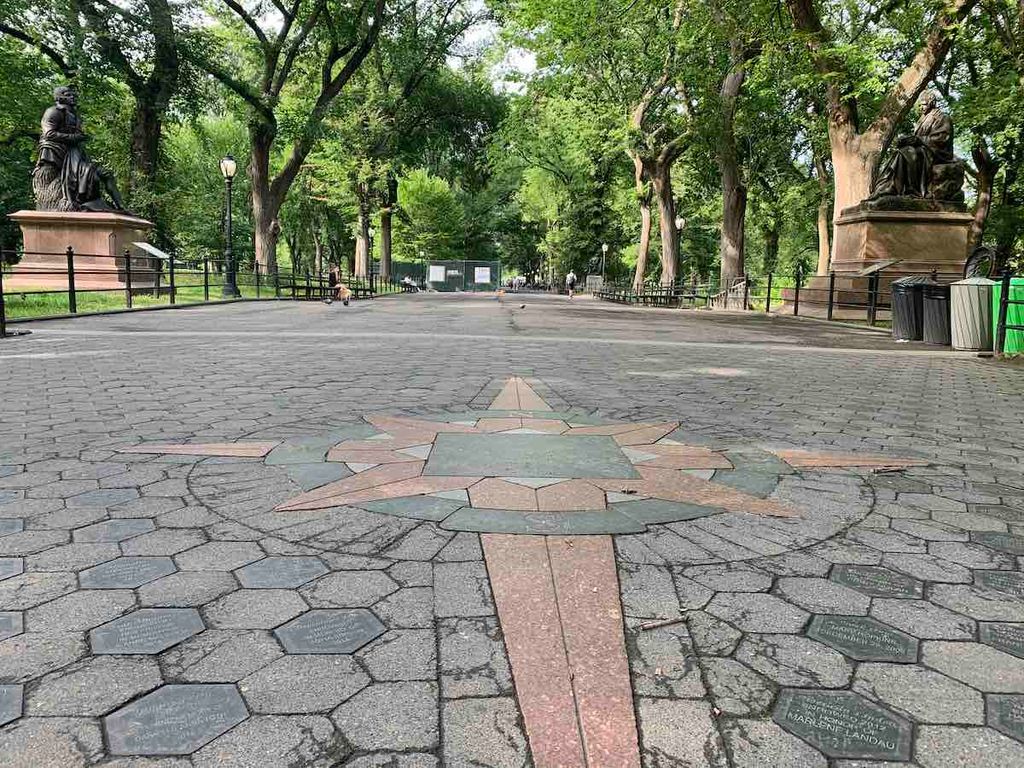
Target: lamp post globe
[228, 169]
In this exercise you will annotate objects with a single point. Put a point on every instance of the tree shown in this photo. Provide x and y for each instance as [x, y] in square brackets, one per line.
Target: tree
[276, 54]
[857, 148]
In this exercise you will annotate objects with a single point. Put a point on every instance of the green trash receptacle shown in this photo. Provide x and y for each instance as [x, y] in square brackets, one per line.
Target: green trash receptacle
[971, 314]
[1014, 315]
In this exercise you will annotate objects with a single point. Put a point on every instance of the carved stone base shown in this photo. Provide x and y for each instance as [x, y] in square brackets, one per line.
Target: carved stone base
[99, 241]
[922, 240]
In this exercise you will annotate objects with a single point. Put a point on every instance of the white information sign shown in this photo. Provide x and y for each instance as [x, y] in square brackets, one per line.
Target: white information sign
[482, 275]
[436, 273]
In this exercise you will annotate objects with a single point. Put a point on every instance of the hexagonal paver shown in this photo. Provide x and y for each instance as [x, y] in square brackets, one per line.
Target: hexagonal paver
[174, 720]
[147, 630]
[925, 695]
[980, 666]
[114, 530]
[11, 623]
[280, 572]
[11, 525]
[10, 702]
[756, 612]
[330, 631]
[876, 581]
[219, 556]
[349, 589]
[863, 638]
[795, 661]
[11, 566]
[126, 572]
[295, 684]
[254, 609]
[822, 596]
[843, 724]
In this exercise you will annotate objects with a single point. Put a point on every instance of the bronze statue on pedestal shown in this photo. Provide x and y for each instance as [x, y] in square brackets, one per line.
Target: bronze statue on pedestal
[64, 178]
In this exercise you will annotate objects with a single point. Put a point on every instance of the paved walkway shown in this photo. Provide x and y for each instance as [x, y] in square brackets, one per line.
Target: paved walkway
[462, 531]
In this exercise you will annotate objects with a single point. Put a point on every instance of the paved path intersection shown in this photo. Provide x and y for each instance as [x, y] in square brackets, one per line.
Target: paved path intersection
[457, 531]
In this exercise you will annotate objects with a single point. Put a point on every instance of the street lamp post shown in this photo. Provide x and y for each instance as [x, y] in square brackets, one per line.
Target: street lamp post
[680, 225]
[369, 256]
[604, 259]
[228, 168]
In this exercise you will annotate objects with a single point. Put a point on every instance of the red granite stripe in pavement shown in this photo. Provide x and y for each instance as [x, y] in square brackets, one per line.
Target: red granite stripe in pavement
[587, 588]
[520, 575]
[797, 458]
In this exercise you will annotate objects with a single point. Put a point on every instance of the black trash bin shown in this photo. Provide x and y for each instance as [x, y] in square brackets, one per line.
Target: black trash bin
[936, 314]
[908, 307]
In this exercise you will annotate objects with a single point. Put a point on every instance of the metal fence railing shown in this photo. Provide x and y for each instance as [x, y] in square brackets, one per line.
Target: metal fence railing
[681, 294]
[48, 285]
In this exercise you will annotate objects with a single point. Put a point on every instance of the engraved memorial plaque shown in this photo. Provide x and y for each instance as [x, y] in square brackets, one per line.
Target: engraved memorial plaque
[126, 572]
[863, 638]
[1005, 713]
[844, 724]
[1007, 582]
[877, 582]
[330, 631]
[11, 623]
[10, 703]
[11, 525]
[149, 630]
[174, 720]
[1004, 542]
[1008, 638]
[11, 566]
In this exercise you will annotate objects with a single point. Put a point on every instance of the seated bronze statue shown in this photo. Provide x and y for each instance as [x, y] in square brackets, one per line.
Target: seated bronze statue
[65, 179]
[922, 164]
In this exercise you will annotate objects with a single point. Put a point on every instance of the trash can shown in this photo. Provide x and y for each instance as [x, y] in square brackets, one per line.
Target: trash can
[908, 307]
[1014, 315]
[971, 314]
[936, 314]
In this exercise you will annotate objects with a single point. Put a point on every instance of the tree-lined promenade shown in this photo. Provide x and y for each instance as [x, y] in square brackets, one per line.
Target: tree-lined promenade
[693, 138]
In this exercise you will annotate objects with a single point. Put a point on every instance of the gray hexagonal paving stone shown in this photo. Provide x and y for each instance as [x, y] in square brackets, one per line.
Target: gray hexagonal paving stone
[11, 566]
[392, 716]
[147, 630]
[10, 703]
[876, 581]
[795, 661]
[219, 556]
[756, 612]
[923, 619]
[276, 741]
[980, 604]
[822, 596]
[330, 631]
[126, 572]
[942, 746]
[174, 720]
[1004, 542]
[93, 686]
[980, 666]
[844, 725]
[1008, 638]
[298, 684]
[926, 696]
[254, 609]
[280, 572]
[349, 589]
[11, 623]
[863, 638]
[114, 530]
[1006, 714]
[11, 525]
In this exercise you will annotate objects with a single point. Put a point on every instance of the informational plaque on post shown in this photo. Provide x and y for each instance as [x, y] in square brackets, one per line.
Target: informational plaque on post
[482, 275]
[436, 274]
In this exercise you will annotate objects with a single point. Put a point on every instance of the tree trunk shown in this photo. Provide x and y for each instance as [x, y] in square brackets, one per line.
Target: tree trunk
[265, 207]
[854, 162]
[987, 170]
[643, 196]
[824, 226]
[734, 214]
[662, 179]
[386, 211]
[734, 191]
[362, 261]
[771, 236]
[318, 250]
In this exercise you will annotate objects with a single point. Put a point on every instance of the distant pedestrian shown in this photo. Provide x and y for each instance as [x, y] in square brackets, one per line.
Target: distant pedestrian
[570, 283]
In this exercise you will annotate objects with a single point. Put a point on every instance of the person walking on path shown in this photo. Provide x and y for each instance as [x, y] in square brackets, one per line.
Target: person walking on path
[570, 283]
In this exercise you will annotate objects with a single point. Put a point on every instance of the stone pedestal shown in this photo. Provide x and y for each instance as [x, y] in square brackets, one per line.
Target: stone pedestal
[922, 241]
[99, 241]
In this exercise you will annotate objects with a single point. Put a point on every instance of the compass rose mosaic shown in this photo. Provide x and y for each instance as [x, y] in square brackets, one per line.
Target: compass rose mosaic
[546, 490]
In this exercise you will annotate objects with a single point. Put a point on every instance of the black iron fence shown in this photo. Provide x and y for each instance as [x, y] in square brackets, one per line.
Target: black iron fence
[47, 285]
[681, 294]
